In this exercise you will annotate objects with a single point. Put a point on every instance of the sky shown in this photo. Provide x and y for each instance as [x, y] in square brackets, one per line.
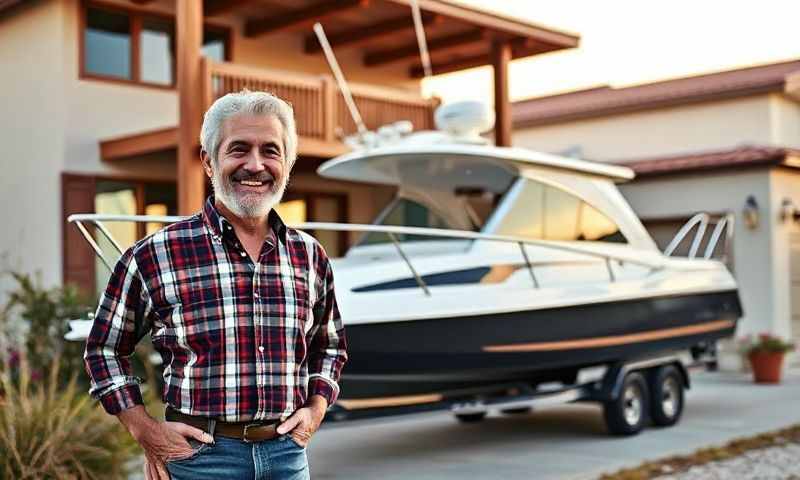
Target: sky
[628, 42]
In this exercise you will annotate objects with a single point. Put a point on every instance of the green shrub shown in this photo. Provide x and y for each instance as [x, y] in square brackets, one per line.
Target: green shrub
[52, 431]
[46, 313]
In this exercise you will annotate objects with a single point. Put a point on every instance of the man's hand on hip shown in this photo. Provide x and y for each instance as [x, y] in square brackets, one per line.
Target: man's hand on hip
[161, 441]
[305, 421]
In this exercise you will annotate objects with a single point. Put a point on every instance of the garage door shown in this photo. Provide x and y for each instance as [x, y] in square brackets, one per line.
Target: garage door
[794, 259]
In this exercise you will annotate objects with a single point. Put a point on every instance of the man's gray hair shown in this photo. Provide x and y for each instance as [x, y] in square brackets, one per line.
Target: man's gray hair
[248, 103]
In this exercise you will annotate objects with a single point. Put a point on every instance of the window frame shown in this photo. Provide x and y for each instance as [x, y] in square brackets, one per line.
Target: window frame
[136, 18]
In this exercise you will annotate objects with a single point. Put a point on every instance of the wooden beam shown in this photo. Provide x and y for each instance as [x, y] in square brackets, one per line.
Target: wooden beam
[492, 21]
[363, 35]
[454, 65]
[302, 18]
[218, 7]
[411, 50]
[189, 38]
[138, 144]
[501, 57]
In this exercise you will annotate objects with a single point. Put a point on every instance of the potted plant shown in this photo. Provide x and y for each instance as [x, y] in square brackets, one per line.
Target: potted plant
[766, 353]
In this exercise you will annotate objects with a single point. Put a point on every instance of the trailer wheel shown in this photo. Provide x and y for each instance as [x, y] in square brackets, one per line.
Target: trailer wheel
[470, 417]
[626, 414]
[666, 391]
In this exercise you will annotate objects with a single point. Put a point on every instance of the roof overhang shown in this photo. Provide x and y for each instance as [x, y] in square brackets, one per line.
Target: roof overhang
[747, 156]
[607, 101]
[458, 36]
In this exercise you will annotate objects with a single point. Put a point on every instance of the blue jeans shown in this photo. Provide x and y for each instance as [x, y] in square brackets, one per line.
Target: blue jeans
[278, 459]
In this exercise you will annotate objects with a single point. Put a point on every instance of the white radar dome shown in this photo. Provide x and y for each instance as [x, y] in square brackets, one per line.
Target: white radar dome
[467, 118]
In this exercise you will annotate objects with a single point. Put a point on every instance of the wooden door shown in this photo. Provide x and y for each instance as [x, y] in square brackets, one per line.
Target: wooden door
[77, 196]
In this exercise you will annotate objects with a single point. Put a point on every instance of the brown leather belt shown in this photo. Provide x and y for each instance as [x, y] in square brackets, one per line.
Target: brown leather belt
[247, 431]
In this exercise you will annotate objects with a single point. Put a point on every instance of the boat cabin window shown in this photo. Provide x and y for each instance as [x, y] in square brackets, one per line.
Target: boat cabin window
[544, 212]
[405, 212]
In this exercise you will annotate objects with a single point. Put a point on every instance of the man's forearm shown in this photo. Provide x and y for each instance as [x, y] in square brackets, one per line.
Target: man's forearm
[136, 420]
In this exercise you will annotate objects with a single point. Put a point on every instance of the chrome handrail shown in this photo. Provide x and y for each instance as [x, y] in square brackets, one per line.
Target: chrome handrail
[392, 231]
[726, 224]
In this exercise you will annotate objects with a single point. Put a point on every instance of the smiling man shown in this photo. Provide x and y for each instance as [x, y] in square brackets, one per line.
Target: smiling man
[241, 309]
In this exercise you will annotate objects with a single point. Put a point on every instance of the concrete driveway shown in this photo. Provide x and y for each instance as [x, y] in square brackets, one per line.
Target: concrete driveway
[566, 442]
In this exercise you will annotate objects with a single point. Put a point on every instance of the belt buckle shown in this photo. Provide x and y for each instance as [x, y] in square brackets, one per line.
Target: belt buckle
[246, 428]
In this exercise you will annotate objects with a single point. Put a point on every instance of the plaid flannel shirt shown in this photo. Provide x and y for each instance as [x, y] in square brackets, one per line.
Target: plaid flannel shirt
[240, 340]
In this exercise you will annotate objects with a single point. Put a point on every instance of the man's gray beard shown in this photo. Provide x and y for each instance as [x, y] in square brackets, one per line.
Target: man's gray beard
[225, 192]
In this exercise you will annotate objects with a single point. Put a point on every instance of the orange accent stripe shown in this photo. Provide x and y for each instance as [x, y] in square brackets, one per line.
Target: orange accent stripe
[598, 342]
[355, 404]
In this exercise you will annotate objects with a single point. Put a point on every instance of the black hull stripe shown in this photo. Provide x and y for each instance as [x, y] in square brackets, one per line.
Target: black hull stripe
[599, 342]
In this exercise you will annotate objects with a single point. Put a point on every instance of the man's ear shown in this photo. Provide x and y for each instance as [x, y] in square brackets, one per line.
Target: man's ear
[206, 161]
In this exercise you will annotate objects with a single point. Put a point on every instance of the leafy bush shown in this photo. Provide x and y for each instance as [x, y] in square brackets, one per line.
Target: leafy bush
[45, 314]
[52, 431]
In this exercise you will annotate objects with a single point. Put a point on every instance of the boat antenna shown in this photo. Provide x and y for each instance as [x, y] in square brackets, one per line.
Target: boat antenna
[419, 29]
[340, 80]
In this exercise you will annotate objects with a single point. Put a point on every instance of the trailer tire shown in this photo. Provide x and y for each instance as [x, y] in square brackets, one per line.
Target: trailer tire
[666, 392]
[470, 417]
[627, 414]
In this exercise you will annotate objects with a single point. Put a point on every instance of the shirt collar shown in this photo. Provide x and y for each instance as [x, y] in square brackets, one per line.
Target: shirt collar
[216, 222]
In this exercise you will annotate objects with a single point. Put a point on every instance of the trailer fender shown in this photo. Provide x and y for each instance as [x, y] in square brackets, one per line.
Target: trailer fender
[614, 378]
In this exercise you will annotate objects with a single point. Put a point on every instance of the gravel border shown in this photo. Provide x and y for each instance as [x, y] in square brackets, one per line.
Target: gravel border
[772, 455]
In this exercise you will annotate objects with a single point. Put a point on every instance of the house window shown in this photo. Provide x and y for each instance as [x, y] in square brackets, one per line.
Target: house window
[138, 47]
[107, 42]
[129, 198]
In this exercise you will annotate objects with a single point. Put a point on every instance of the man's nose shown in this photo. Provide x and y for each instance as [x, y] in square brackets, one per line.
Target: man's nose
[255, 162]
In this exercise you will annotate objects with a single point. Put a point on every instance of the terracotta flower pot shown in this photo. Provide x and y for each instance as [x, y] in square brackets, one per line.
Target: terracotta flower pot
[767, 366]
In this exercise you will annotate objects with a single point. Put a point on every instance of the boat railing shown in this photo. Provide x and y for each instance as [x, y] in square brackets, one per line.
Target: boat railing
[723, 226]
[393, 232]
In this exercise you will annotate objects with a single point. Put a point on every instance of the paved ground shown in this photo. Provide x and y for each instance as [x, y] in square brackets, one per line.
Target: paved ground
[567, 442]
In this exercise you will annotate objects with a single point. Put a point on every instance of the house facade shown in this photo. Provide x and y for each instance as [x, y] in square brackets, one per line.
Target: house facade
[721, 143]
[104, 99]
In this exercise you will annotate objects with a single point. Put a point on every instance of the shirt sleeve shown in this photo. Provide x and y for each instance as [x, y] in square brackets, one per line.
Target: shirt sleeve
[121, 320]
[328, 346]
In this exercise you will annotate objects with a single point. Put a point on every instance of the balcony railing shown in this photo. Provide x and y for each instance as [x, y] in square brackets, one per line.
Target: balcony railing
[319, 107]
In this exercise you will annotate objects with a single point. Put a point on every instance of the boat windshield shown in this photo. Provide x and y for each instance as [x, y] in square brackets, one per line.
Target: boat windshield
[469, 210]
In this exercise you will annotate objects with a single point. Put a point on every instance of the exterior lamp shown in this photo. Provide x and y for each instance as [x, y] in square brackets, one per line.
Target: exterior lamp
[789, 211]
[750, 212]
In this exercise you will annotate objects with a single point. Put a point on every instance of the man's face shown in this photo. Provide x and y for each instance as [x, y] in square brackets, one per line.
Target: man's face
[250, 174]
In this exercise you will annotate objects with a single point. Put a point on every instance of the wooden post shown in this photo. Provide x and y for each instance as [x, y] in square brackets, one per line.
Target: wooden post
[191, 179]
[328, 108]
[501, 56]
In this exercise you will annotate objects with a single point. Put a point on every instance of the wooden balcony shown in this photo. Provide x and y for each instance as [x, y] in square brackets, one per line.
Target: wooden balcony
[320, 111]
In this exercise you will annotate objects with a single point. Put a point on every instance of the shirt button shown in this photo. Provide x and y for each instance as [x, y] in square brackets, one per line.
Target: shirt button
[255, 294]
[244, 254]
[261, 348]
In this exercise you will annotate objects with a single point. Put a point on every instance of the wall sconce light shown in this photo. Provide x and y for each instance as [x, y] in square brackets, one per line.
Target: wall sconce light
[789, 211]
[750, 212]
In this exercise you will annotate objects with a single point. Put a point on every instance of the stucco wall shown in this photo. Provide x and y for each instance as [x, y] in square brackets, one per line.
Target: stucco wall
[755, 252]
[785, 121]
[32, 136]
[689, 128]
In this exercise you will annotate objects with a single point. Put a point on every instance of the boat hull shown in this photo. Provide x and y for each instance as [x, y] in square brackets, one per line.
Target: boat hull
[453, 356]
